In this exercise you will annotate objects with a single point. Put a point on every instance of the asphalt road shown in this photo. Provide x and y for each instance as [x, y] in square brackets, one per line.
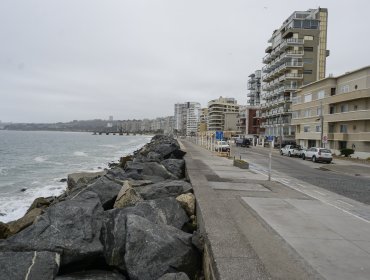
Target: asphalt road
[357, 188]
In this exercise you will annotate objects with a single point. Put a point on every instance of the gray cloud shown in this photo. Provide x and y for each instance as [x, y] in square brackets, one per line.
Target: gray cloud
[65, 60]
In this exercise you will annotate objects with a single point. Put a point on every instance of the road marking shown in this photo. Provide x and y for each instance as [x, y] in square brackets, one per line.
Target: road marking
[319, 192]
[301, 185]
[341, 201]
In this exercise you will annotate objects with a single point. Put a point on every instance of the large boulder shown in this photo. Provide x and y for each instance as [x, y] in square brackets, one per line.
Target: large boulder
[127, 196]
[41, 202]
[164, 189]
[149, 169]
[31, 265]
[118, 173]
[163, 210]
[82, 179]
[25, 221]
[71, 228]
[187, 201]
[160, 211]
[174, 276]
[4, 230]
[106, 189]
[92, 275]
[175, 166]
[155, 249]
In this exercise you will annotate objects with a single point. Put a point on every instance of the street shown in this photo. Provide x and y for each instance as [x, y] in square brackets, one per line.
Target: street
[351, 186]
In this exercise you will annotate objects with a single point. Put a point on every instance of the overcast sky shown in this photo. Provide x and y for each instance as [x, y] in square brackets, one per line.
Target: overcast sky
[62, 60]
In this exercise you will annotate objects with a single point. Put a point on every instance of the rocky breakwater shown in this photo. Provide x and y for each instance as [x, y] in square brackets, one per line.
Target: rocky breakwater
[133, 221]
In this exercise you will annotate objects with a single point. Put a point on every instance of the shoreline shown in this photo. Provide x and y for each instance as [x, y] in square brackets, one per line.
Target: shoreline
[145, 195]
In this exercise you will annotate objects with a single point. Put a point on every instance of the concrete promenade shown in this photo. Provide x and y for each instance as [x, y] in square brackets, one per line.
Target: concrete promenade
[259, 229]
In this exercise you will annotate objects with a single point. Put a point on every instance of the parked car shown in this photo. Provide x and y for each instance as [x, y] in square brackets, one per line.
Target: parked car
[318, 154]
[222, 146]
[241, 142]
[291, 150]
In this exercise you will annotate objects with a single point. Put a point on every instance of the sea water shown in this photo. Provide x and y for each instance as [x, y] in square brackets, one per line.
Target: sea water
[32, 163]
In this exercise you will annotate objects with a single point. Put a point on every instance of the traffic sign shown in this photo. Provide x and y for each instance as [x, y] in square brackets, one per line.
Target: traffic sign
[219, 135]
[325, 139]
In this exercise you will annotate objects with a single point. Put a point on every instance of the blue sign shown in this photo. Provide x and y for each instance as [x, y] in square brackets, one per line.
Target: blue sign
[219, 135]
[270, 138]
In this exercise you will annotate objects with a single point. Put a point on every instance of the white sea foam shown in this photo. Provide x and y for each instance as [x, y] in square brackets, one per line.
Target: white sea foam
[15, 206]
[3, 171]
[80, 154]
[40, 158]
[108, 146]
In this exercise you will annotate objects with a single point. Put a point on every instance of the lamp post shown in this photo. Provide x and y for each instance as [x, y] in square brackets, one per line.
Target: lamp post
[321, 126]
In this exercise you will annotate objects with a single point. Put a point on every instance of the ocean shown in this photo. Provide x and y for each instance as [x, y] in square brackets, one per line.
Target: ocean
[32, 163]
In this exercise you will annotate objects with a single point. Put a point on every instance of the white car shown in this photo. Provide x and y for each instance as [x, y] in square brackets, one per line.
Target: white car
[291, 150]
[222, 146]
[318, 154]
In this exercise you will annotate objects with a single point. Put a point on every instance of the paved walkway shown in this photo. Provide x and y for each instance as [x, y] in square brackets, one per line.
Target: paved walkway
[256, 229]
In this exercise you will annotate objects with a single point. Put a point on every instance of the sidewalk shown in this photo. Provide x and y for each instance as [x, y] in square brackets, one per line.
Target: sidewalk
[256, 229]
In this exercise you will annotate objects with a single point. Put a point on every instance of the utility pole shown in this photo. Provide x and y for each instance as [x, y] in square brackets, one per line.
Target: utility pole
[321, 126]
[281, 133]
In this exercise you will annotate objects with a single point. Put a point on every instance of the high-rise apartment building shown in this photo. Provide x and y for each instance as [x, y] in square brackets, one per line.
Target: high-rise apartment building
[254, 87]
[296, 56]
[187, 117]
[220, 112]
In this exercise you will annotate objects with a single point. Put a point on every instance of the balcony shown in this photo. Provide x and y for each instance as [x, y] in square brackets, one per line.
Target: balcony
[267, 58]
[294, 41]
[348, 116]
[291, 76]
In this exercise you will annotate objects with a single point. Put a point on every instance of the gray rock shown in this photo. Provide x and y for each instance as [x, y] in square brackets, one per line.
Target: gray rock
[113, 238]
[149, 169]
[160, 211]
[106, 189]
[155, 249]
[167, 188]
[174, 276]
[127, 196]
[28, 265]
[187, 201]
[175, 166]
[82, 179]
[120, 174]
[92, 275]
[163, 210]
[71, 228]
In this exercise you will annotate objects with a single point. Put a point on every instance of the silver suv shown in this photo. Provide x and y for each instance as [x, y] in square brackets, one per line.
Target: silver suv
[318, 154]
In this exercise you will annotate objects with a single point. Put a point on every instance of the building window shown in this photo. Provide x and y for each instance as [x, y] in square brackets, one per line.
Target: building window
[355, 107]
[308, 98]
[308, 38]
[306, 128]
[295, 114]
[321, 94]
[307, 60]
[332, 110]
[342, 145]
[307, 71]
[318, 128]
[343, 128]
[331, 128]
[308, 49]
[344, 108]
[332, 91]
[318, 111]
[344, 89]
[307, 113]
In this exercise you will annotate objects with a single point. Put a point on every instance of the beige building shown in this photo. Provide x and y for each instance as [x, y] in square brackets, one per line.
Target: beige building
[335, 112]
[296, 55]
[221, 113]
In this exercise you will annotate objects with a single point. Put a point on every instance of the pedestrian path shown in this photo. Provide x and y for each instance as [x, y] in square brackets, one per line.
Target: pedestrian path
[284, 229]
